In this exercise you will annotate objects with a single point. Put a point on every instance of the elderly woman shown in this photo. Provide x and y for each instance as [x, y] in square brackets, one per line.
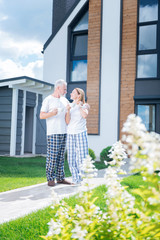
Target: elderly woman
[77, 140]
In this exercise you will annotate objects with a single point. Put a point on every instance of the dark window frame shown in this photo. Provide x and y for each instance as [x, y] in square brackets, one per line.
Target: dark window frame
[149, 51]
[71, 34]
[77, 33]
[156, 102]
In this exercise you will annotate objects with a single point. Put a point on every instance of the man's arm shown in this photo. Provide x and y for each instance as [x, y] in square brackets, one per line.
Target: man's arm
[44, 115]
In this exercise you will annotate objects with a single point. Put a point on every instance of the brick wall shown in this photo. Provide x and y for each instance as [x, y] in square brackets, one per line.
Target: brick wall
[93, 74]
[128, 59]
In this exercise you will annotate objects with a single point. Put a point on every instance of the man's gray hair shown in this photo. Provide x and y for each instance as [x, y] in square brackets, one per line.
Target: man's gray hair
[60, 82]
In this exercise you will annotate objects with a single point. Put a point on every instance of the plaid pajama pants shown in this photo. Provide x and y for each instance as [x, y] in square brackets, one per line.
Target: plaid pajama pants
[77, 150]
[56, 144]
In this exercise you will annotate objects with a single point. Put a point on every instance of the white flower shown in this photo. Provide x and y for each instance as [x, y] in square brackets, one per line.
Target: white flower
[142, 146]
[55, 198]
[139, 223]
[78, 233]
[54, 228]
[117, 153]
[79, 210]
[88, 172]
[152, 201]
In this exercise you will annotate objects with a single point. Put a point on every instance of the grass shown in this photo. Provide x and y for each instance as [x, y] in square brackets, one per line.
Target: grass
[21, 172]
[35, 225]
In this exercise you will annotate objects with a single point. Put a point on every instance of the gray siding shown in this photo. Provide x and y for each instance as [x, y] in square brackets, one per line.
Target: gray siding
[147, 88]
[30, 99]
[41, 147]
[5, 119]
[19, 122]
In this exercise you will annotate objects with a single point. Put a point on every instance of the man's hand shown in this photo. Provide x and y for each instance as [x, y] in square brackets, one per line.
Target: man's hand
[44, 115]
[55, 111]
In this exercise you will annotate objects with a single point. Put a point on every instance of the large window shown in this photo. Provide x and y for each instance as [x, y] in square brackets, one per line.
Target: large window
[78, 49]
[149, 111]
[147, 114]
[147, 82]
[147, 48]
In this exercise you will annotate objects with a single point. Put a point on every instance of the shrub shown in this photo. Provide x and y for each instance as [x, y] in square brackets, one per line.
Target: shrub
[92, 154]
[65, 155]
[104, 154]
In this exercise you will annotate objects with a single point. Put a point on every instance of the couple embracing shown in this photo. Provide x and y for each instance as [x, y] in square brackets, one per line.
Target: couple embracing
[66, 123]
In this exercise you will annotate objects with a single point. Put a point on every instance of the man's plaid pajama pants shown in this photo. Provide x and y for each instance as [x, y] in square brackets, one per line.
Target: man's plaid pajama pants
[56, 144]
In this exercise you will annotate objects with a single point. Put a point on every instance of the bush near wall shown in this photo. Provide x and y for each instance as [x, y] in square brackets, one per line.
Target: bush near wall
[104, 154]
[92, 154]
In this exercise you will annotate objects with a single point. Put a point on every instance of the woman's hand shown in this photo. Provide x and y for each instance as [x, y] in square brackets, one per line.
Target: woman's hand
[84, 110]
[68, 117]
[68, 107]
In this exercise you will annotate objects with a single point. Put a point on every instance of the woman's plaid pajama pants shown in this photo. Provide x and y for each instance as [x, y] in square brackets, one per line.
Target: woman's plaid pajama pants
[77, 150]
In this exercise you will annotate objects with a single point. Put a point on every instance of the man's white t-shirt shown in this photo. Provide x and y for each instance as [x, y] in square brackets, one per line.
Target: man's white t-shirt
[77, 123]
[55, 124]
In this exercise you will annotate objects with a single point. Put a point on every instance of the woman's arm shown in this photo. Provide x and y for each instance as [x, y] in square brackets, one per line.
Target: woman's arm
[44, 115]
[68, 116]
[84, 112]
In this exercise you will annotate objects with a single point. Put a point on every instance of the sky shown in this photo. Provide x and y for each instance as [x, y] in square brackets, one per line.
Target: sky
[25, 25]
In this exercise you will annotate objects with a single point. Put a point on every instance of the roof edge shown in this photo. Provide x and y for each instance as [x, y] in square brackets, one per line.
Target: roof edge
[26, 77]
[59, 27]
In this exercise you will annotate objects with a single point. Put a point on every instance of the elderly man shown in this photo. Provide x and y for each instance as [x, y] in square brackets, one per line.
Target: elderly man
[53, 110]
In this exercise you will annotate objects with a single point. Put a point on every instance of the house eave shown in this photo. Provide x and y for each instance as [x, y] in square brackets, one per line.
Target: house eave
[28, 84]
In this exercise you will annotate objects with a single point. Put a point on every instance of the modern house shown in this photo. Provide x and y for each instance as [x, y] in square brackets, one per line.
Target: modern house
[21, 130]
[111, 49]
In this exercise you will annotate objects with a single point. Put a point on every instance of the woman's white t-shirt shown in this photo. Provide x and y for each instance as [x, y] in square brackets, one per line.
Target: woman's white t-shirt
[77, 123]
[55, 124]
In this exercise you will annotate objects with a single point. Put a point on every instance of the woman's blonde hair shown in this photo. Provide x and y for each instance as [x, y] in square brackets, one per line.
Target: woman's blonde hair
[81, 93]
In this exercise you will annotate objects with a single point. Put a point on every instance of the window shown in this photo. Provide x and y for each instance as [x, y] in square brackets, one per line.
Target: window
[148, 10]
[147, 114]
[147, 37]
[149, 111]
[147, 65]
[78, 49]
[148, 52]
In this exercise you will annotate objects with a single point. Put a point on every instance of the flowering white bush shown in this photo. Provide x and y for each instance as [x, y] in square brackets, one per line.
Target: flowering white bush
[123, 217]
[142, 146]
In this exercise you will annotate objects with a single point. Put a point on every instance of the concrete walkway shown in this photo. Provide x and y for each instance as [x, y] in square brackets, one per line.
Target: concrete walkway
[19, 202]
[22, 201]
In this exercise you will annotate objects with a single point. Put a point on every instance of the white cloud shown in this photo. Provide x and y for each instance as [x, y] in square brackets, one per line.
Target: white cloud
[15, 48]
[9, 69]
[3, 18]
[24, 27]
[20, 57]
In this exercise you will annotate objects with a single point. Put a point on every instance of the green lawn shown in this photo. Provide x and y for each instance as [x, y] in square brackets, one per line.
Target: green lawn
[35, 224]
[21, 172]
